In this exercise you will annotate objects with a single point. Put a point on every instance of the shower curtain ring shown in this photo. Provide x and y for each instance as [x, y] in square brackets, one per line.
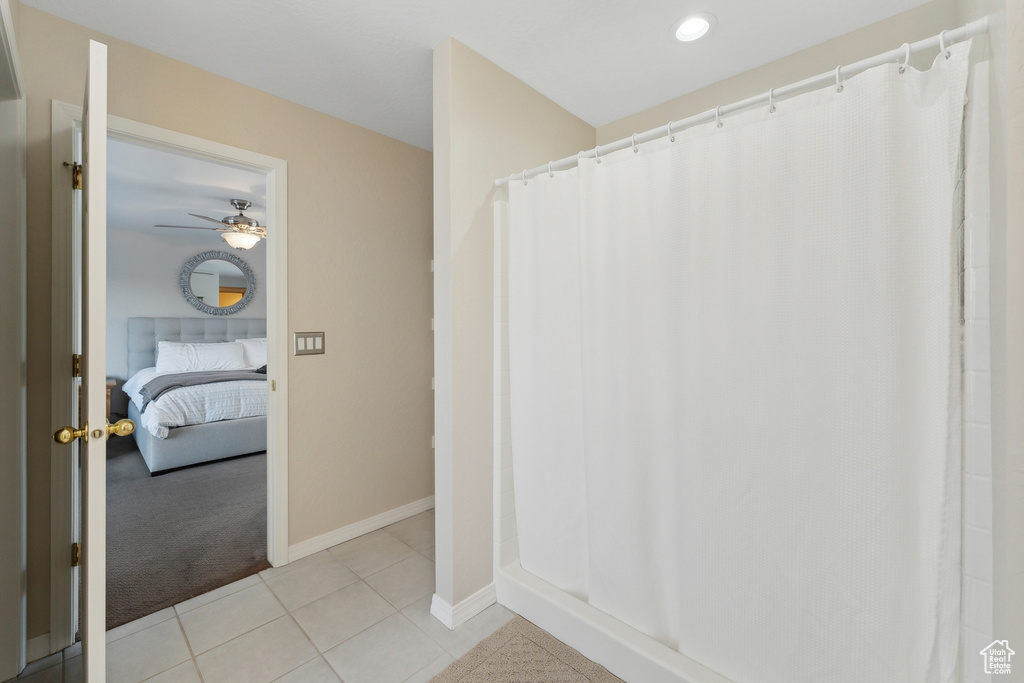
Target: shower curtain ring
[597, 153]
[839, 83]
[718, 116]
[906, 60]
[668, 131]
[633, 140]
[771, 101]
[524, 176]
[551, 174]
[942, 43]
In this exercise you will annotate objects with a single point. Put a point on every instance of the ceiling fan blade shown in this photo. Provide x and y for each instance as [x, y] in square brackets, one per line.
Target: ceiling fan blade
[207, 218]
[192, 227]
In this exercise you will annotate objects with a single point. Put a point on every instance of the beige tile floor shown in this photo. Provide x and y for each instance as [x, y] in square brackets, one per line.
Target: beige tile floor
[358, 613]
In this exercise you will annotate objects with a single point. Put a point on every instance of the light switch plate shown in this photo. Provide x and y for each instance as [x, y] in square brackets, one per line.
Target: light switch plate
[309, 343]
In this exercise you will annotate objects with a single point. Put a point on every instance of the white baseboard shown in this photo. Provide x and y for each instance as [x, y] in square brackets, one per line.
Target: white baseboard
[37, 648]
[452, 617]
[347, 533]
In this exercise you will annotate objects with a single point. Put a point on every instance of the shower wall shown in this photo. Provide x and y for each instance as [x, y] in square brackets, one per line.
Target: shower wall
[977, 568]
[1002, 476]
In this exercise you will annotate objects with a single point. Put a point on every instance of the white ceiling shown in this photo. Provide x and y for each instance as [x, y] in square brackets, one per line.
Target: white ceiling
[369, 62]
[147, 186]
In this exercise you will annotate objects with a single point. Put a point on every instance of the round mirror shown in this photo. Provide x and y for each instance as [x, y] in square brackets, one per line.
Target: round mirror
[217, 283]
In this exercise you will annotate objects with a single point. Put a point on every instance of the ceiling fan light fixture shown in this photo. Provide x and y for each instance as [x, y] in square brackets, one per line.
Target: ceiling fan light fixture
[241, 240]
[694, 26]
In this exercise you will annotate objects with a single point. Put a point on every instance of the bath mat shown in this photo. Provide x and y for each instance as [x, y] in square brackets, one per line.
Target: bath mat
[520, 652]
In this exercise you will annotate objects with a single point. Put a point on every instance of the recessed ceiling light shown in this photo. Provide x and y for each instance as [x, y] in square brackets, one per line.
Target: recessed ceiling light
[694, 26]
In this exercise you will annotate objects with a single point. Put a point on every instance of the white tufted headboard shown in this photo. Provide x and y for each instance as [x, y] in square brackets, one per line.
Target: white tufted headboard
[144, 333]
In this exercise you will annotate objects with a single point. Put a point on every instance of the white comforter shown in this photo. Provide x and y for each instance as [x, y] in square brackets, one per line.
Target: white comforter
[197, 404]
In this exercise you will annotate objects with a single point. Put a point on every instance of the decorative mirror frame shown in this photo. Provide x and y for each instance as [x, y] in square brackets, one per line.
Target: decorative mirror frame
[186, 286]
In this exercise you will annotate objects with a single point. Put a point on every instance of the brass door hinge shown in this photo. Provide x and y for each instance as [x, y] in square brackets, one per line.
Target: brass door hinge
[76, 174]
[76, 554]
[76, 365]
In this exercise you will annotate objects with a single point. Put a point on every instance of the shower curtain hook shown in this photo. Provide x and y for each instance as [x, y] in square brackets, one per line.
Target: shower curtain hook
[942, 43]
[906, 60]
[839, 83]
[551, 174]
[524, 176]
[597, 153]
[671, 138]
[771, 101]
[718, 116]
[633, 140]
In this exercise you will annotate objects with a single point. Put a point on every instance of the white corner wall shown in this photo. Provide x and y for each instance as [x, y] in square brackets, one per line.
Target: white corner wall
[487, 124]
[1008, 338]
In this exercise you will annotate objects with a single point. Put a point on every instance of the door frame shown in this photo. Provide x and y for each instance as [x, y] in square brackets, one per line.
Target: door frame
[13, 292]
[65, 124]
[13, 462]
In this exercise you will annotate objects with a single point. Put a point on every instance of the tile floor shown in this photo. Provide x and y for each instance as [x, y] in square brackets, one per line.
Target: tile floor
[358, 613]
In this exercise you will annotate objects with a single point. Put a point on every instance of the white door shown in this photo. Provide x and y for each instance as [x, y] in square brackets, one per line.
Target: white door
[94, 432]
[94, 370]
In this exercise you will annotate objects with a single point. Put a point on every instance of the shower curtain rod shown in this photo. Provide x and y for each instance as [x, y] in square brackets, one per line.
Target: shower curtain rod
[942, 40]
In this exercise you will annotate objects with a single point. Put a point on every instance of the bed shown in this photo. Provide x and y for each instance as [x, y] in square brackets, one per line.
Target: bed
[194, 443]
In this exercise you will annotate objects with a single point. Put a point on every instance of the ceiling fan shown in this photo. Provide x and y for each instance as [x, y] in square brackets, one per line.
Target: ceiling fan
[241, 232]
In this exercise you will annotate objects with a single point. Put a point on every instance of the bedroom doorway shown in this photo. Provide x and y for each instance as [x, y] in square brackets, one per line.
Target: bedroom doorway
[186, 493]
[272, 172]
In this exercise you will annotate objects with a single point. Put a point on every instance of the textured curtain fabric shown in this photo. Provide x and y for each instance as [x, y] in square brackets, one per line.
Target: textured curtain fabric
[547, 324]
[735, 382]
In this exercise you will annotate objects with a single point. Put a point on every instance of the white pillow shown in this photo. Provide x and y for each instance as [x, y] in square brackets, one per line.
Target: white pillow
[133, 386]
[193, 357]
[255, 351]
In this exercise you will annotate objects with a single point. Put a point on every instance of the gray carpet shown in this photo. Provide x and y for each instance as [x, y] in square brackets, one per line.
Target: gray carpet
[177, 535]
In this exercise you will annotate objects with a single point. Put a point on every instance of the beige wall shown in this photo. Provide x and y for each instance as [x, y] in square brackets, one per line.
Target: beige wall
[486, 125]
[921, 22]
[359, 249]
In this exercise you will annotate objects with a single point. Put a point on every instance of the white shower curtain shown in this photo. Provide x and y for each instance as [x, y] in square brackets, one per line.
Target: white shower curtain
[735, 382]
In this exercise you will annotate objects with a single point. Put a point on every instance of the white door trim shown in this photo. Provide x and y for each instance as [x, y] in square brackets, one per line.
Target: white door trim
[64, 118]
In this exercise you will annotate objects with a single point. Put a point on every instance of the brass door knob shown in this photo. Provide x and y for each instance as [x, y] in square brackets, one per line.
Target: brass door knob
[66, 435]
[122, 427]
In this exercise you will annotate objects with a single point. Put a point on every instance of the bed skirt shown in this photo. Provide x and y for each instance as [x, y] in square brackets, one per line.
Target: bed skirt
[199, 443]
